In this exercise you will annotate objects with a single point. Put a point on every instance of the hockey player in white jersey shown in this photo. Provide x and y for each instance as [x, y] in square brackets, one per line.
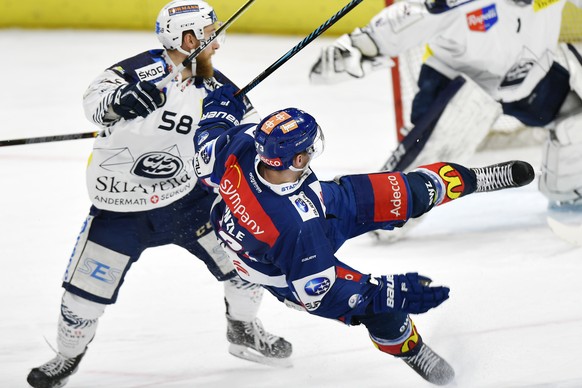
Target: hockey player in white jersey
[483, 58]
[145, 193]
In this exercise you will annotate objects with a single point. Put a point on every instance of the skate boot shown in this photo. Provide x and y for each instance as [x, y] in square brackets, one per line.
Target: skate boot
[504, 175]
[250, 341]
[54, 373]
[565, 220]
[430, 366]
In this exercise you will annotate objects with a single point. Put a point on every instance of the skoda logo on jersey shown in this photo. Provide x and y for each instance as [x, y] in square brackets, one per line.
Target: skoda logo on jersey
[301, 205]
[317, 286]
[150, 72]
[157, 165]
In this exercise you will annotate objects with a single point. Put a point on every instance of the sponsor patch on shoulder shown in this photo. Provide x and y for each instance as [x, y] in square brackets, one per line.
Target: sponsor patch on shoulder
[482, 19]
[150, 72]
[304, 206]
[312, 288]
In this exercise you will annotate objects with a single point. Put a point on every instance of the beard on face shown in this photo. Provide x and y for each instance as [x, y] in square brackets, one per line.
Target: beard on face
[204, 67]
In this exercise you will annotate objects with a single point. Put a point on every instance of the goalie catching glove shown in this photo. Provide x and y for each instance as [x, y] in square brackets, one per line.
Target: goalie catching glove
[410, 293]
[350, 56]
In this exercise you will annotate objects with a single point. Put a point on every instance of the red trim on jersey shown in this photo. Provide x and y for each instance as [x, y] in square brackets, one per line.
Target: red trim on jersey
[390, 197]
[347, 274]
[244, 205]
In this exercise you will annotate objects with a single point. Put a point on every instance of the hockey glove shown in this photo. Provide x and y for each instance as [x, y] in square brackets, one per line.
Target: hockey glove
[137, 99]
[410, 293]
[221, 109]
[350, 56]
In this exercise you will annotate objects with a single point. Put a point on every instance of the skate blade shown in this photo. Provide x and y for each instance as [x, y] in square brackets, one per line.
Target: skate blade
[567, 232]
[249, 354]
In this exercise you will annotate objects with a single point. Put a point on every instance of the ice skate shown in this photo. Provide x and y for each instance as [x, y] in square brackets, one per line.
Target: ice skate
[250, 341]
[504, 175]
[54, 373]
[430, 366]
[565, 220]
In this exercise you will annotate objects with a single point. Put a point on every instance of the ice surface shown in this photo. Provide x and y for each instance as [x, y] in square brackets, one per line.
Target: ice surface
[515, 312]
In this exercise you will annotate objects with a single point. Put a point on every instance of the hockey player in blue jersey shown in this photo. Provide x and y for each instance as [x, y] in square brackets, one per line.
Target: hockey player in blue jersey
[281, 226]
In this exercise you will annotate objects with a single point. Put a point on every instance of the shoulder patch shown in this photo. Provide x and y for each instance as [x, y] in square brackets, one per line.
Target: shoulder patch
[304, 206]
[150, 72]
[312, 288]
[482, 19]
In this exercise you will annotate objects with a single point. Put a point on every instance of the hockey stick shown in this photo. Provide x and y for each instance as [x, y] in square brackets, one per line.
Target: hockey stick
[159, 85]
[289, 54]
[47, 139]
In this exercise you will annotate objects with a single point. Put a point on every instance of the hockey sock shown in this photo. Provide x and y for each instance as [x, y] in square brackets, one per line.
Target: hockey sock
[405, 345]
[242, 299]
[450, 180]
[77, 324]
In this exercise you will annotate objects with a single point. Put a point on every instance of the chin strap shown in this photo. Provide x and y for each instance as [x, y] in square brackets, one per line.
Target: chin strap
[193, 62]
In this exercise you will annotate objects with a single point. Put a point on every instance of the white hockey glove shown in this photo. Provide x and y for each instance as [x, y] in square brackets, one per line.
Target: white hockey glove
[350, 56]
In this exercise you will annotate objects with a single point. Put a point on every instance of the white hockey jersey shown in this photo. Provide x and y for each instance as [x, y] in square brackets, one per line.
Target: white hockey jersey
[145, 163]
[504, 47]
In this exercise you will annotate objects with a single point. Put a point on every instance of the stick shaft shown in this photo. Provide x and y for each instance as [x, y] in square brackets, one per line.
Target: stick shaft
[47, 139]
[308, 39]
[160, 85]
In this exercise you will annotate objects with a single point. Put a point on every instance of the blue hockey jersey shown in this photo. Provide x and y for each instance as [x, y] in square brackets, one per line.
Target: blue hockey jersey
[284, 237]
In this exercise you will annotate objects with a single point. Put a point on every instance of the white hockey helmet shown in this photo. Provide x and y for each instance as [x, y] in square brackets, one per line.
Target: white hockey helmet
[183, 15]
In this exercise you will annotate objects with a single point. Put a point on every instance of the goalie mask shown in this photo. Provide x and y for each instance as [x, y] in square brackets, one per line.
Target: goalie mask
[286, 133]
[180, 16]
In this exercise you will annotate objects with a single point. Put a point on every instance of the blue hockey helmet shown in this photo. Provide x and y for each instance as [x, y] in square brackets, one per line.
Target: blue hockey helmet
[286, 133]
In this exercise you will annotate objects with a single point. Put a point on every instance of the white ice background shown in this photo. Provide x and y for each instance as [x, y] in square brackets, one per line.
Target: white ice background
[513, 320]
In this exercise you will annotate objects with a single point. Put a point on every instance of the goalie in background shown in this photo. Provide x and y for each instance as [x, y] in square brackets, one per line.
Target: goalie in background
[482, 58]
[145, 194]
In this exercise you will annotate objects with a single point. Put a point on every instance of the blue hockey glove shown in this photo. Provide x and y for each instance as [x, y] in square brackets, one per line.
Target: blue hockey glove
[137, 99]
[410, 293]
[221, 108]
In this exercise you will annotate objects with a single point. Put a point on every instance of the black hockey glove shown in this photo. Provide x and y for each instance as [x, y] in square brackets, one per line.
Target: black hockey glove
[137, 99]
[222, 109]
[410, 293]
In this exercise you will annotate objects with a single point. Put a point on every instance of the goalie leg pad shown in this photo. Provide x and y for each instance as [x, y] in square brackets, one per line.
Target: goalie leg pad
[561, 179]
[574, 64]
[452, 129]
